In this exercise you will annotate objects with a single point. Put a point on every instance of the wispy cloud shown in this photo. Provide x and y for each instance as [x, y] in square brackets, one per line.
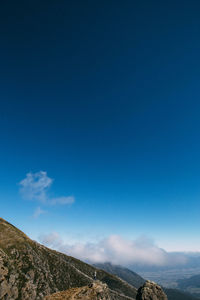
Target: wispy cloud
[35, 186]
[62, 200]
[52, 239]
[38, 212]
[117, 250]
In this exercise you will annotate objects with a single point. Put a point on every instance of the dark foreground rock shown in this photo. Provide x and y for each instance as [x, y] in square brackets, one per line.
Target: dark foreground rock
[150, 291]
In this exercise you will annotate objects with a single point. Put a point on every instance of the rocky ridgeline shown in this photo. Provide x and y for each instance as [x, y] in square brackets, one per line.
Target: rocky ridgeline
[100, 291]
[95, 291]
[150, 291]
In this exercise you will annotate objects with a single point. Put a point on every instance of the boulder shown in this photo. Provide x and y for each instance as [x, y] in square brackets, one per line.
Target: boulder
[150, 291]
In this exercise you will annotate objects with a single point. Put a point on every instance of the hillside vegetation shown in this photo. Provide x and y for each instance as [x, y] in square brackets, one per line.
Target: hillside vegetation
[29, 270]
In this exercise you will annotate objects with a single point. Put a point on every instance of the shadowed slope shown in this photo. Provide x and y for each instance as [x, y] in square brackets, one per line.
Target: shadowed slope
[129, 276]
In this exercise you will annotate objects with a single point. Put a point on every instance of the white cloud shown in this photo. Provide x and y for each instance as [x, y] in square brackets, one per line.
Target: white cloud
[35, 186]
[38, 212]
[117, 250]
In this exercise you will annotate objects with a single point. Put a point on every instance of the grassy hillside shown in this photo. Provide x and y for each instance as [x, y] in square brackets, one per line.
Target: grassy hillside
[29, 270]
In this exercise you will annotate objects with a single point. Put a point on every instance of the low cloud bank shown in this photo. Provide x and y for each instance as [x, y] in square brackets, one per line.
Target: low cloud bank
[117, 250]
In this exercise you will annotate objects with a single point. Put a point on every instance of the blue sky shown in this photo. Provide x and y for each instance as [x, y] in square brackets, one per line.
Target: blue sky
[103, 98]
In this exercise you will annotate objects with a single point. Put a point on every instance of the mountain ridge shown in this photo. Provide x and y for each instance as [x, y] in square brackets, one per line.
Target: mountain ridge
[29, 270]
[126, 274]
[96, 290]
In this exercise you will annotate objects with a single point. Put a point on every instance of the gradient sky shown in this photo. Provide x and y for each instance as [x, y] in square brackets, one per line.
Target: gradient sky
[104, 97]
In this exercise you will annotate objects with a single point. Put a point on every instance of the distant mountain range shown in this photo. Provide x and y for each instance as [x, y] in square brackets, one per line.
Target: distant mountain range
[136, 280]
[191, 284]
[174, 294]
[129, 276]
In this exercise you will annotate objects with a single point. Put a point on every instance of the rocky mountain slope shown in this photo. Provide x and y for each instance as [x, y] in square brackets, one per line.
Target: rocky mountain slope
[100, 291]
[29, 271]
[95, 291]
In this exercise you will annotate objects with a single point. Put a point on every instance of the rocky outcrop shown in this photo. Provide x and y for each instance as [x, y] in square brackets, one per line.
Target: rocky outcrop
[95, 291]
[30, 271]
[150, 291]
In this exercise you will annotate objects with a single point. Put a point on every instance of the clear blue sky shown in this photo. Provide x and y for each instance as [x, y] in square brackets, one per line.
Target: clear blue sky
[103, 96]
